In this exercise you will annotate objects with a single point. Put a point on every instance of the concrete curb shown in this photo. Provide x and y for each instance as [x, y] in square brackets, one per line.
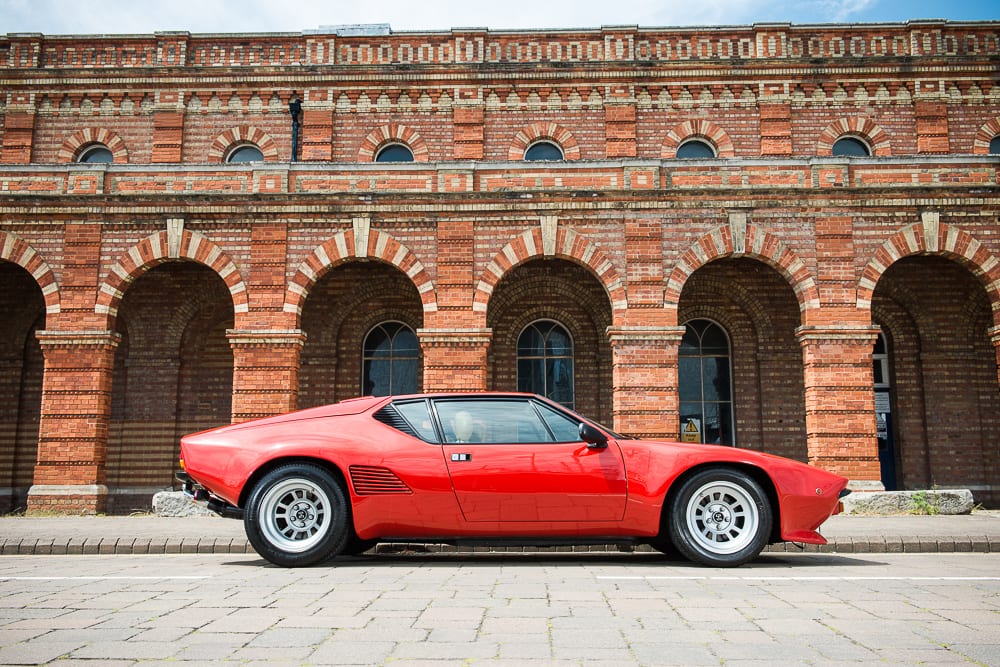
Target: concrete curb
[142, 546]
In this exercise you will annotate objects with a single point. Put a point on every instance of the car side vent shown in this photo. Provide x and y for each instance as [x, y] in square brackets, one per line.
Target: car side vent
[390, 416]
[374, 480]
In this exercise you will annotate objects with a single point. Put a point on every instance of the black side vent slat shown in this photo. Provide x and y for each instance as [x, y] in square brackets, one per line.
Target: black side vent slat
[391, 417]
[376, 480]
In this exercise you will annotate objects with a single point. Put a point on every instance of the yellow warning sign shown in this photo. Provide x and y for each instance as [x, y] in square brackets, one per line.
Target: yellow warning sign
[691, 431]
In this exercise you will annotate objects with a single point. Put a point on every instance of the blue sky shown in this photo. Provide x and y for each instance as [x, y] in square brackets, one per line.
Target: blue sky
[205, 16]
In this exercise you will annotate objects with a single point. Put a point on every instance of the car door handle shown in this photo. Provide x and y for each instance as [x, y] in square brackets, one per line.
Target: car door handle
[461, 457]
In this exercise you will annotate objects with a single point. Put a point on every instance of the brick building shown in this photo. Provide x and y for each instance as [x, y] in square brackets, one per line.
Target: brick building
[776, 237]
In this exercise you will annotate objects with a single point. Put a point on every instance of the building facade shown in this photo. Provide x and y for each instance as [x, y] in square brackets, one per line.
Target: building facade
[777, 237]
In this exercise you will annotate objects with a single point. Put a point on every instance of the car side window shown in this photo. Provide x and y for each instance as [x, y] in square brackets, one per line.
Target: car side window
[490, 421]
[419, 417]
[562, 427]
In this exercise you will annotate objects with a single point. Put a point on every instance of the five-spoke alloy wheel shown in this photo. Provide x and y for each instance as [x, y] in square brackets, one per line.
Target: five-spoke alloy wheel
[297, 515]
[720, 517]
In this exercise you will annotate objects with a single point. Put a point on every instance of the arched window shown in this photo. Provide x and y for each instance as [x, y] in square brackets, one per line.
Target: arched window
[245, 153]
[543, 150]
[706, 384]
[545, 362]
[96, 154]
[695, 148]
[394, 153]
[391, 361]
[851, 147]
[995, 145]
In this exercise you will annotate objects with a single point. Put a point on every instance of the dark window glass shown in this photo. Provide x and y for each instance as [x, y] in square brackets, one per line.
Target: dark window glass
[395, 153]
[246, 154]
[491, 421]
[391, 361]
[562, 427]
[96, 154]
[545, 362]
[995, 145]
[543, 150]
[419, 418]
[849, 146]
[880, 363]
[705, 384]
[696, 148]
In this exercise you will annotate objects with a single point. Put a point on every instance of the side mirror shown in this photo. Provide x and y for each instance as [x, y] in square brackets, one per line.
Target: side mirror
[594, 438]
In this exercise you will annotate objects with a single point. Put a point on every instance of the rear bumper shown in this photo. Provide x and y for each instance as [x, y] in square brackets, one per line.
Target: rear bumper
[199, 494]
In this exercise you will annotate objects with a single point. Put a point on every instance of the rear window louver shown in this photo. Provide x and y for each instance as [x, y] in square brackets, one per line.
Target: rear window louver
[391, 417]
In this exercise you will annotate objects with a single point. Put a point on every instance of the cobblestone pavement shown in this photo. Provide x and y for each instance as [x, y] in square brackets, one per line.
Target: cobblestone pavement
[534, 610]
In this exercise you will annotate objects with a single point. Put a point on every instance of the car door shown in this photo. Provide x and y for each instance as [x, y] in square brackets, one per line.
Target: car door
[515, 459]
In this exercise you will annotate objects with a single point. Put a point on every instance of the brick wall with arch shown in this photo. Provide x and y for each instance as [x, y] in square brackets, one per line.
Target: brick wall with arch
[267, 277]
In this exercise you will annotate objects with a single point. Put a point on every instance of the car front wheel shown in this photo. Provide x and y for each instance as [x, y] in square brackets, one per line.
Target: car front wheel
[721, 518]
[297, 515]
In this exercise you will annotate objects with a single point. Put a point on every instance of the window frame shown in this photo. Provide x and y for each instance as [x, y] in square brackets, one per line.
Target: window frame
[391, 358]
[700, 141]
[544, 142]
[246, 145]
[851, 140]
[701, 379]
[91, 149]
[994, 147]
[545, 357]
[393, 145]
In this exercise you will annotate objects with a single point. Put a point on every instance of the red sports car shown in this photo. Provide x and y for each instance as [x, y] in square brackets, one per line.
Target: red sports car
[511, 468]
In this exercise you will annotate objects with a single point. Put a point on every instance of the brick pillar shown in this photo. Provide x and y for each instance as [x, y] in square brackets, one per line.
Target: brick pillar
[619, 130]
[455, 359]
[18, 137]
[644, 377]
[775, 129]
[468, 132]
[168, 128]
[316, 131]
[73, 429]
[265, 371]
[932, 127]
[840, 401]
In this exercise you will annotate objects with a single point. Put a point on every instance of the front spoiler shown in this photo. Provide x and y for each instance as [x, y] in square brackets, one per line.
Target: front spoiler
[200, 495]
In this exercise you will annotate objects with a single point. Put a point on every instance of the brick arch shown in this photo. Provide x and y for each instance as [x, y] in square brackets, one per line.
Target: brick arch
[990, 129]
[16, 250]
[933, 238]
[568, 245]
[544, 131]
[749, 241]
[700, 129]
[342, 248]
[156, 249]
[243, 134]
[393, 133]
[854, 126]
[93, 135]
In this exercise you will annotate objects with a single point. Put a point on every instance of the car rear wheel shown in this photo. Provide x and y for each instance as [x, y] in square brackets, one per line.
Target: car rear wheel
[297, 515]
[721, 518]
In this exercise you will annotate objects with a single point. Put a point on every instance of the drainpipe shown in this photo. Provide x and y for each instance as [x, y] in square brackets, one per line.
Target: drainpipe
[295, 110]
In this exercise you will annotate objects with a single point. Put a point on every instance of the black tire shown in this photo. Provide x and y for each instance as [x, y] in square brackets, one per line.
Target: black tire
[297, 515]
[720, 517]
[355, 546]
